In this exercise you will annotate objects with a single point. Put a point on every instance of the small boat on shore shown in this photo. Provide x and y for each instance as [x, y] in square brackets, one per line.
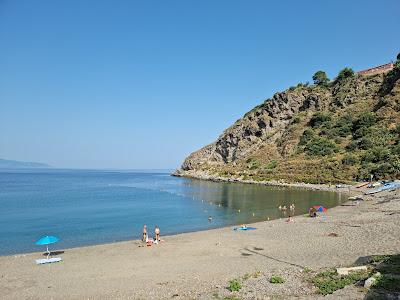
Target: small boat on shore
[390, 186]
[362, 185]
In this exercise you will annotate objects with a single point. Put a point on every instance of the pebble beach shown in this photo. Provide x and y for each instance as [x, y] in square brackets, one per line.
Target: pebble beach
[200, 265]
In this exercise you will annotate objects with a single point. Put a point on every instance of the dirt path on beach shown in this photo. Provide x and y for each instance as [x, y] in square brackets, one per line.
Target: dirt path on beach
[199, 265]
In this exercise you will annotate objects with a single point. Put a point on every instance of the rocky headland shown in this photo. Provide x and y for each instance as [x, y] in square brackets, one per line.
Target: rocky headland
[332, 131]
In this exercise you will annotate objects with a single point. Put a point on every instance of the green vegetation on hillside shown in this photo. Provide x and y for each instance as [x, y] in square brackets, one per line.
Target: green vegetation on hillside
[365, 140]
[345, 73]
[344, 130]
[320, 78]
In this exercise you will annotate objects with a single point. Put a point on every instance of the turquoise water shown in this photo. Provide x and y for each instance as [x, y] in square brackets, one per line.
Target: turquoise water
[84, 207]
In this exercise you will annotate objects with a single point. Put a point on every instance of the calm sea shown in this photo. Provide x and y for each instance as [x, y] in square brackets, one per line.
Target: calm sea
[84, 207]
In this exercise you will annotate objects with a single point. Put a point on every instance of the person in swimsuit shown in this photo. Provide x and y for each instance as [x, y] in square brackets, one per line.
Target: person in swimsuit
[157, 233]
[144, 238]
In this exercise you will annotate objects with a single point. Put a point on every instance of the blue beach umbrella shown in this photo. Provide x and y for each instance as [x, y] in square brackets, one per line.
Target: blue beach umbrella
[47, 240]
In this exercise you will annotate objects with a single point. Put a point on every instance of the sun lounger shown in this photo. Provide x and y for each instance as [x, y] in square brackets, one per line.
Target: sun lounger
[48, 260]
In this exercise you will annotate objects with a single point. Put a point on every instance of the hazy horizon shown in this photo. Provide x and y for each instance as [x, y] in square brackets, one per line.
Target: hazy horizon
[50, 167]
[140, 85]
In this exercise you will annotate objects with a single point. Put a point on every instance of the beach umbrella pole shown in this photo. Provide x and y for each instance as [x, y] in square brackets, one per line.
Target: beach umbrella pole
[46, 240]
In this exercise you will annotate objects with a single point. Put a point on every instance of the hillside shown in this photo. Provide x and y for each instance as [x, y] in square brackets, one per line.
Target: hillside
[338, 131]
[14, 164]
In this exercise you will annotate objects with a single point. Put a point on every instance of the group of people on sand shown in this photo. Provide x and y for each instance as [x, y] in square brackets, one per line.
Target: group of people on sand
[155, 240]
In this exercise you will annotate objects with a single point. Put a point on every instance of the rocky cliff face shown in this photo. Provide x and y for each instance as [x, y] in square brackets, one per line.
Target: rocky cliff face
[266, 142]
[264, 124]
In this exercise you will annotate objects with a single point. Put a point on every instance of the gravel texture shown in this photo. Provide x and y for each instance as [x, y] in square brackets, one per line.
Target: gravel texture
[199, 265]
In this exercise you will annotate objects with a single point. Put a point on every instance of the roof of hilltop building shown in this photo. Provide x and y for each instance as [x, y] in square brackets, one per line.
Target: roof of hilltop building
[378, 69]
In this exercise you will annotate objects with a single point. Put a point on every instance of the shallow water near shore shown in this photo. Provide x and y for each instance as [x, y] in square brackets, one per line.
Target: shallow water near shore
[85, 207]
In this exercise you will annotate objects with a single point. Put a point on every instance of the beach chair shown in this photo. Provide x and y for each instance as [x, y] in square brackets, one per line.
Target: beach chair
[48, 260]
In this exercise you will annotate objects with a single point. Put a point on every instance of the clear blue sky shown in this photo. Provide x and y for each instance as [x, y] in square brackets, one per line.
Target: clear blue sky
[141, 84]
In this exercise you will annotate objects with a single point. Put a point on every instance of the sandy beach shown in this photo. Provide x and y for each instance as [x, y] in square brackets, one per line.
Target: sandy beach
[199, 265]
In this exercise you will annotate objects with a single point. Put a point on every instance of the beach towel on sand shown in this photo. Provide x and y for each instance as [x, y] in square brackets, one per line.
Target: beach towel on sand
[151, 242]
[246, 228]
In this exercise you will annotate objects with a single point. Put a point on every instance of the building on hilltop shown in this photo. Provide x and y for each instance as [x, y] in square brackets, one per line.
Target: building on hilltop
[377, 70]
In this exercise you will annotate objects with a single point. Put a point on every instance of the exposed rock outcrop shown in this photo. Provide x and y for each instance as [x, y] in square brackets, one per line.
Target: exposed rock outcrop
[266, 142]
[264, 124]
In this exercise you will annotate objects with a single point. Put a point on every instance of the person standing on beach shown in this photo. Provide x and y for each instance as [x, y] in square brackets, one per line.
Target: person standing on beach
[144, 237]
[157, 233]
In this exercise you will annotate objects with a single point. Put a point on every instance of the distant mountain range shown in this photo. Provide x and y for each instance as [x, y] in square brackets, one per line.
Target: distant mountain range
[14, 164]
